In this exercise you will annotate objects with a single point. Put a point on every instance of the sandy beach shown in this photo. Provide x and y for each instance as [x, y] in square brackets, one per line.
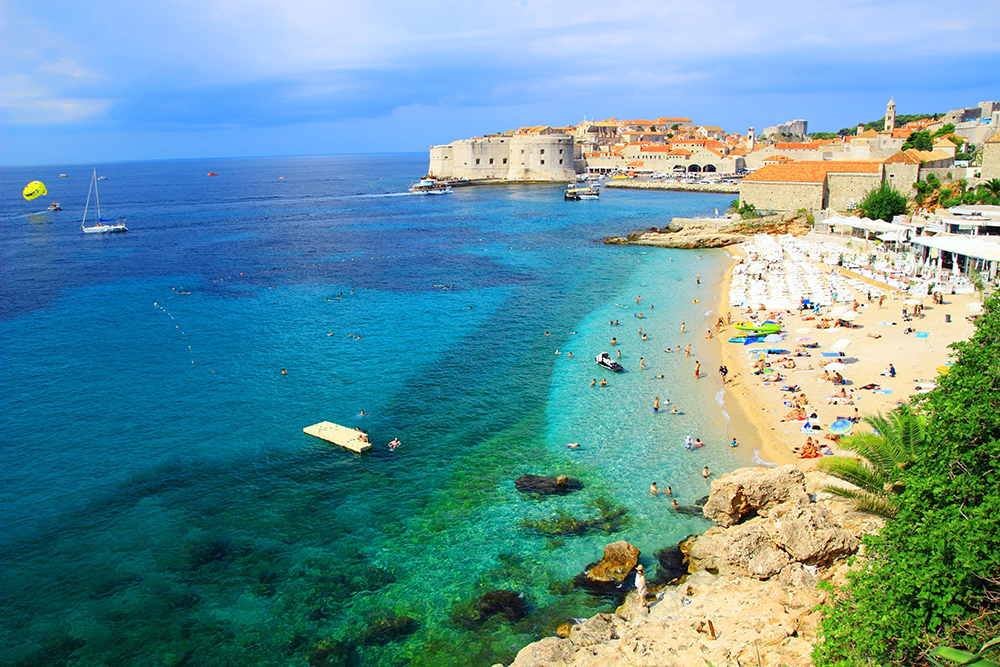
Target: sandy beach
[760, 408]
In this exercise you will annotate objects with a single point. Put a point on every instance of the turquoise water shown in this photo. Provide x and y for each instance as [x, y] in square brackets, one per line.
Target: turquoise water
[161, 505]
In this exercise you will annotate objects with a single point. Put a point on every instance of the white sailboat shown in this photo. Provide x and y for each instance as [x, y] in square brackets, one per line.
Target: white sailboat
[100, 227]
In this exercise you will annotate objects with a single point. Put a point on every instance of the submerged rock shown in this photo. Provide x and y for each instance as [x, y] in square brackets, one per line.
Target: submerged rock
[671, 566]
[332, 653]
[385, 628]
[509, 605]
[609, 520]
[546, 486]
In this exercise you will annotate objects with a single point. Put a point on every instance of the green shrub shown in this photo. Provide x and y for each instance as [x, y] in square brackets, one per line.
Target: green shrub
[931, 576]
[882, 203]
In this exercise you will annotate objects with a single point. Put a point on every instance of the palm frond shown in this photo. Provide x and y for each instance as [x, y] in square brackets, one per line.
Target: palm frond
[866, 501]
[855, 471]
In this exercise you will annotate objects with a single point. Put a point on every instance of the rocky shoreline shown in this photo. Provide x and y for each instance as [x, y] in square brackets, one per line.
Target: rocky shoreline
[692, 233]
[752, 585]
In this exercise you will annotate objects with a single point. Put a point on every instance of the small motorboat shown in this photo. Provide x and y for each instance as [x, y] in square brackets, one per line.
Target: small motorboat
[102, 178]
[584, 192]
[55, 206]
[63, 175]
[429, 185]
[212, 173]
[604, 360]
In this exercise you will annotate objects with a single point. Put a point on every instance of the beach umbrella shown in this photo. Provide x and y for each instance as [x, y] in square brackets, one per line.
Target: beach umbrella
[758, 355]
[773, 338]
[944, 369]
[849, 316]
[835, 366]
[803, 330]
[840, 310]
[912, 302]
[841, 427]
[841, 345]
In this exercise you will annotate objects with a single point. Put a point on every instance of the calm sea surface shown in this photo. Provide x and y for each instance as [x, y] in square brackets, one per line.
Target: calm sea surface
[159, 502]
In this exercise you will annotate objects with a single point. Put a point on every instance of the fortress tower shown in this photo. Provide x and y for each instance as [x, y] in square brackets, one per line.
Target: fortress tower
[890, 116]
[751, 140]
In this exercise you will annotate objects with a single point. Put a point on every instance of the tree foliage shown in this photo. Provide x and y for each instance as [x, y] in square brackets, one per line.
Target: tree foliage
[931, 575]
[919, 140]
[882, 456]
[882, 203]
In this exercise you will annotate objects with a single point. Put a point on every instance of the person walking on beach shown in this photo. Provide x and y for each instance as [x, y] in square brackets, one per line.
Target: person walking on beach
[723, 371]
[697, 370]
[640, 585]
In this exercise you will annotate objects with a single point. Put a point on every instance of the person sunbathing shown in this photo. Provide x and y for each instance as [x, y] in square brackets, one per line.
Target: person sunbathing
[795, 415]
[874, 334]
[773, 377]
[789, 364]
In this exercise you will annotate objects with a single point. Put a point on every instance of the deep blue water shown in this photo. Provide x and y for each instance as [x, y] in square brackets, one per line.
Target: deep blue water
[160, 503]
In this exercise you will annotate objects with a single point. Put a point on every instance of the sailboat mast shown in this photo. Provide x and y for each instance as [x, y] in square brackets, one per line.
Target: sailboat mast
[83, 223]
[97, 197]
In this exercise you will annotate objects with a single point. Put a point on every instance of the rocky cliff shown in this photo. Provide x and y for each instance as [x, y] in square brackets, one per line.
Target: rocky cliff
[751, 594]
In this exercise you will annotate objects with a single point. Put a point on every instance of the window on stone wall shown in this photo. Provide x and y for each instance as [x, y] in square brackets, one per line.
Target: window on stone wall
[491, 160]
[505, 160]
[522, 151]
[542, 151]
[560, 151]
[560, 161]
[543, 161]
[477, 160]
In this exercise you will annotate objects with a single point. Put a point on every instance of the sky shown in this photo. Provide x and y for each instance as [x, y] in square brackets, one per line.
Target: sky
[112, 80]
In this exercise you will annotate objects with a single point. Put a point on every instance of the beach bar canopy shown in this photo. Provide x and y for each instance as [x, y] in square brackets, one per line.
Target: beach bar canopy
[985, 253]
[867, 224]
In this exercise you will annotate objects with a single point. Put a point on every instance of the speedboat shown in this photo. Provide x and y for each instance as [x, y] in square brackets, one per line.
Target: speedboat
[54, 206]
[605, 361]
[430, 186]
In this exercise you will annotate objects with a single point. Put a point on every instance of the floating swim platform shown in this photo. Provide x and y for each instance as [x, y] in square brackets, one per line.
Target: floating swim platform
[348, 438]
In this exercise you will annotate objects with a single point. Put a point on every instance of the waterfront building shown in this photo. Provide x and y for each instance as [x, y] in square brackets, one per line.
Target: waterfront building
[812, 185]
[506, 157]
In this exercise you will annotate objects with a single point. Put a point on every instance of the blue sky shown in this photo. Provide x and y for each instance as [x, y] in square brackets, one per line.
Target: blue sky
[108, 80]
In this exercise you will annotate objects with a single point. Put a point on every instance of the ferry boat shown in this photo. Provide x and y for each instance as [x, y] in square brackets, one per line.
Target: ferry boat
[582, 192]
[430, 186]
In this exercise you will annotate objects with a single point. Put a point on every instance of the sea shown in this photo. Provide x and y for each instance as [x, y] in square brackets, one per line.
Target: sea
[159, 501]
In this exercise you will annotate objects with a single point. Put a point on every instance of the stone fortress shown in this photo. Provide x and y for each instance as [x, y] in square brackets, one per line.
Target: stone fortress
[786, 174]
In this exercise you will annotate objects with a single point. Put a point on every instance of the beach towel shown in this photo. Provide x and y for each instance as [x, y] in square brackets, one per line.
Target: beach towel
[832, 354]
[888, 324]
[883, 391]
[923, 334]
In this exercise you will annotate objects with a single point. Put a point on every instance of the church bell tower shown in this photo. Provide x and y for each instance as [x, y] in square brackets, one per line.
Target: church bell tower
[890, 116]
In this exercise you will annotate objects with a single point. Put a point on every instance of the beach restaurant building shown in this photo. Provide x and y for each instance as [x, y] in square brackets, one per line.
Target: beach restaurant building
[961, 253]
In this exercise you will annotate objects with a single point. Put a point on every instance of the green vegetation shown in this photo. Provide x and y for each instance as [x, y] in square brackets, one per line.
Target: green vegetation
[947, 128]
[884, 454]
[609, 519]
[825, 135]
[882, 203]
[748, 211]
[919, 140]
[901, 119]
[931, 576]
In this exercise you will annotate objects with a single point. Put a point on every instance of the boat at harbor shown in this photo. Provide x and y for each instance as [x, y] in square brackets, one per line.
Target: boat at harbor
[430, 186]
[604, 360]
[577, 193]
[54, 206]
[99, 227]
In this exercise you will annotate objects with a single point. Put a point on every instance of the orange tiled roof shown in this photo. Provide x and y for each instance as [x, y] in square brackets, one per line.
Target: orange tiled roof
[811, 171]
[655, 149]
[778, 158]
[681, 152]
[665, 119]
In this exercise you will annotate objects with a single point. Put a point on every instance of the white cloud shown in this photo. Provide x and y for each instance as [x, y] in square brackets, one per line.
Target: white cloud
[27, 103]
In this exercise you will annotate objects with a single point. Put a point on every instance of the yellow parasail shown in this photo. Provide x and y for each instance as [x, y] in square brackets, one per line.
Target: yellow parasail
[34, 189]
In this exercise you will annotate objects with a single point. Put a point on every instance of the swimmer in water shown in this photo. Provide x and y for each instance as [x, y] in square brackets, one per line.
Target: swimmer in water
[653, 490]
[675, 411]
[395, 443]
[604, 382]
[688, 441]
[284, 372]
[573, 445]
[656, 404]
[593, 382]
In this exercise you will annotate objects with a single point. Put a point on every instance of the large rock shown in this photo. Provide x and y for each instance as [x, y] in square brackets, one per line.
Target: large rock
[793, 532]
[753, 491]
[620, 558]
[546, 486]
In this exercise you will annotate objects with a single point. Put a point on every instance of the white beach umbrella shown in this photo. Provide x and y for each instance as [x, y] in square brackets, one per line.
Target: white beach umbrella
[835, 366]
[841, 345]
[849, 316]
[839, 310]
[912, 302]
[773, 338]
